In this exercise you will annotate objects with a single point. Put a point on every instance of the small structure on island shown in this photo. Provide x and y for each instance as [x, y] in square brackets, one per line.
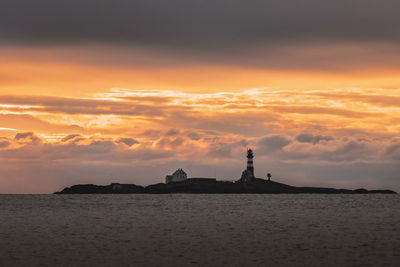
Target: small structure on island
[178, 176]
[248, 174]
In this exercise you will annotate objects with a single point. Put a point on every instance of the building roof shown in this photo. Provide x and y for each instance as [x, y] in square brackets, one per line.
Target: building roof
[179, 171]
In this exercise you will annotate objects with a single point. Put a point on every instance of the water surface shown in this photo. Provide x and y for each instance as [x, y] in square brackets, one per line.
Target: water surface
[200, 230]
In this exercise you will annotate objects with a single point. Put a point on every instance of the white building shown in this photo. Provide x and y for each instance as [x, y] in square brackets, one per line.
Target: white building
[178, 176]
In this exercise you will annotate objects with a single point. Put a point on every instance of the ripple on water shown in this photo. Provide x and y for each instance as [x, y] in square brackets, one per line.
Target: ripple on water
[211, 230]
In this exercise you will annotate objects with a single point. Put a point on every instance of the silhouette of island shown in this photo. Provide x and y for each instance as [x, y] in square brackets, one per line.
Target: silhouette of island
[179, 183]
[197, 186]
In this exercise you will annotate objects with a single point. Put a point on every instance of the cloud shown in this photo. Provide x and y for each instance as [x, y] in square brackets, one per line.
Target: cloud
[249, 113]
[27, 122]
[393, 151]
[220, 149]
[326, 110]
[83, 106]
[172, 132]
[170, 142]
[27, 138]
[151, 134]
[127, 141]
[223, 154]
[272, 143]
[4, 144]
[319, 35]
[314, 139]
[81, 149]
[373, 98]
[350, 151]
[178, 23]
[200, 128]
[336, 151]
[233, 45]
[70, 137]
[194, 136]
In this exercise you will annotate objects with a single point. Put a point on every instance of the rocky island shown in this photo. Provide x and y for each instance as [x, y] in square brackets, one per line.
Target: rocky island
[196, 186]
[179, 183]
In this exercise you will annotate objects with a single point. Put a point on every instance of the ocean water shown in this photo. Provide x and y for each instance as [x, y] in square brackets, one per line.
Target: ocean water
[199, 230]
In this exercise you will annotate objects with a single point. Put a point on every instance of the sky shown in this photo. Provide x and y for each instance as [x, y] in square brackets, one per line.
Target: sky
[100, 91]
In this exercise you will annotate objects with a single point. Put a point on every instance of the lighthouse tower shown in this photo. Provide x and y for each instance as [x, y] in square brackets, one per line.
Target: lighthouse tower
[250, 166]
[248, 173]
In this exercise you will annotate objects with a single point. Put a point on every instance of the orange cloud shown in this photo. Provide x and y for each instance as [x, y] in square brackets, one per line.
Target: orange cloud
[249, 112]
[57, 110]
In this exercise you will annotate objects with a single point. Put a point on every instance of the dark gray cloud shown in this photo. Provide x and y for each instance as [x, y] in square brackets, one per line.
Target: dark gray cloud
[20, 136]
[170, 142]
[172, 132]
[276, 34]
[28, 138]
[194, 136]
[314, 139]
[70, 137]
[127, 141]
[4, 144]
[198, 24]
[272, 143]
[151, 133]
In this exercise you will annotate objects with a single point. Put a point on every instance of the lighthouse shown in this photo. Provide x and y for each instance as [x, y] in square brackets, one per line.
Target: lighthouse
[248, 173]
[250, 166]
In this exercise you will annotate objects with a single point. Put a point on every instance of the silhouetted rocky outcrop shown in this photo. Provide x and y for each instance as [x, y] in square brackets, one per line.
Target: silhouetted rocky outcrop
[212, 186]
[103, 189]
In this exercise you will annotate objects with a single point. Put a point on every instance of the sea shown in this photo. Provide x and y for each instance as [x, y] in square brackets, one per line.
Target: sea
[200, 230]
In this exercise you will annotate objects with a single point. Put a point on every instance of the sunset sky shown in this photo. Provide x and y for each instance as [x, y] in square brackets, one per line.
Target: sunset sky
[100, 91]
